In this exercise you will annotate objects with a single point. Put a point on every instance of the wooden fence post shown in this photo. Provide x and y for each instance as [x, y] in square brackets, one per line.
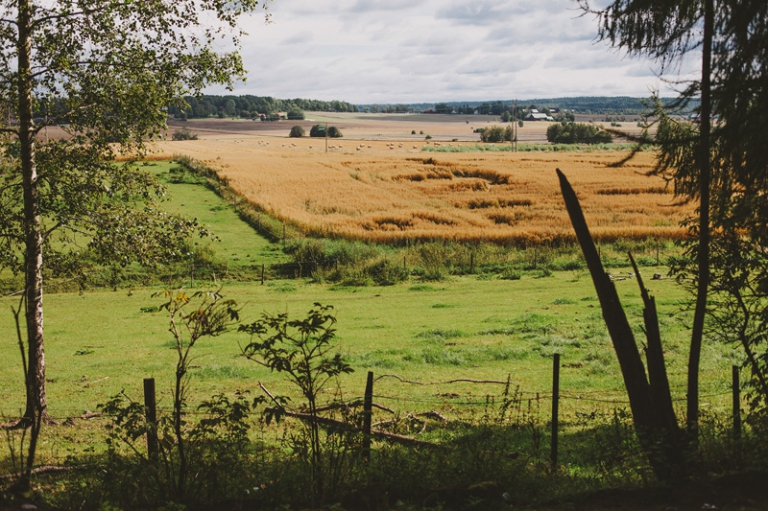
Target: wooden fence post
[555, 410]
[150, 407]
[736, 404]
[283, 235]
[367, 416]
[262, 274]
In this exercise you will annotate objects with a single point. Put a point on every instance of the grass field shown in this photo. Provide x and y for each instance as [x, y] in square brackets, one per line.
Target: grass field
[470, 327]
[404, 194]
[466, 327]
[235, 243]
[101, 342]
[415, 336]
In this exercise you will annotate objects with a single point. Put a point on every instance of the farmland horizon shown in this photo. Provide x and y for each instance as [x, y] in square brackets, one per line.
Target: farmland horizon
[576, 103]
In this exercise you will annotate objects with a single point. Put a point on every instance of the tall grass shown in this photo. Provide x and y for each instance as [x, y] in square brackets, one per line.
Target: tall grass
[394, 198]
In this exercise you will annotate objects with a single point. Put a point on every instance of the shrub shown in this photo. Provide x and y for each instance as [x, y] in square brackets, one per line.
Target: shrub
[577, 133]
[295, 115]
[305, 351]
[495, 134]
[183, 134]
[296, 132]
[387, 273]
[318, 131]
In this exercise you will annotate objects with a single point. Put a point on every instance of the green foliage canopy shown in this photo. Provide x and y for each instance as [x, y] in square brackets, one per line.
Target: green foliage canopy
[318, 131]
[577, 133]
[496, 134]
[104, 72]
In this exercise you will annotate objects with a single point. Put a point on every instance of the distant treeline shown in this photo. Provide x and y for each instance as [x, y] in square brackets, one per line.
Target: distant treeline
[253, 106]
[601, 105]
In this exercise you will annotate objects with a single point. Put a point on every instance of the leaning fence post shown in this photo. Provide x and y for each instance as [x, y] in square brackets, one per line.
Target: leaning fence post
[150, 408]
[367, 415]
[736, 405]
[555, 410]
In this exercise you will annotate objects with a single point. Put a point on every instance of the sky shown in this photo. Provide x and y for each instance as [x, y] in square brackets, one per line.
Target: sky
[413, 51]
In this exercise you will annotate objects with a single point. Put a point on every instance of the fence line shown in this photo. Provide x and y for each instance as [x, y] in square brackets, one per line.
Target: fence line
[508, 401]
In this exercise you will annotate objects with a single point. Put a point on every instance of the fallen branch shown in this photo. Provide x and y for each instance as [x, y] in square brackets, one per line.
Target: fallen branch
[325, 421]
[392, 437]
[353, 404]
[42, 470]
[458, 380]
[433, 415]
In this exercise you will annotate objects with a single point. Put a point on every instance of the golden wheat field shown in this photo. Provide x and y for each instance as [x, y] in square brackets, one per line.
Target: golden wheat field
[391, 192]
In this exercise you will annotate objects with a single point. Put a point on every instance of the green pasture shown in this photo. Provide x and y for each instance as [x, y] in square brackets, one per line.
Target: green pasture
[100, 342]
[235, 243]
[415, 336]
[469, 327]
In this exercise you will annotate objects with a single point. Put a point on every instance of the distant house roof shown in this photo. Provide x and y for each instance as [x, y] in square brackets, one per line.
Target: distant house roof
[536, 116]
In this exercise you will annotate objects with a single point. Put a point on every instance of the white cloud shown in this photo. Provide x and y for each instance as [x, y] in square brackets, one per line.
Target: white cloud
[366, 51]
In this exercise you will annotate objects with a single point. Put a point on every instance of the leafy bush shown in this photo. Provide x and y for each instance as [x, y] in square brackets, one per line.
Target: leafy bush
[295, 115]
[577, 133]
[296, 132]
[387, 273]
[183, 134]
[496, 134]
[318, 131]
[187, 462]
[305, 351]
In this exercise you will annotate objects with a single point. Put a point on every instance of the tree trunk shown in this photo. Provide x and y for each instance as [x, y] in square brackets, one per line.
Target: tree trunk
[655, 423]
[703, 152]
[35, 377]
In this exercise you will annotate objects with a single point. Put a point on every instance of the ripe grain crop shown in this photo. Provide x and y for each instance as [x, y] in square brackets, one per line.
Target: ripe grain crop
[388, 196]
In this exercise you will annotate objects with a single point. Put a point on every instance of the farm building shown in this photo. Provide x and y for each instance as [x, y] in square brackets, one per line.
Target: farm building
[537, 116]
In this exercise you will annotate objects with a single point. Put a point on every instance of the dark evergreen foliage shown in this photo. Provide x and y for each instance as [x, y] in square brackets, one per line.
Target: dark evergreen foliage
[251, 106]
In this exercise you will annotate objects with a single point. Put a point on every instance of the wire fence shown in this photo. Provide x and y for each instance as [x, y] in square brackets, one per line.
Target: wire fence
[501, 399]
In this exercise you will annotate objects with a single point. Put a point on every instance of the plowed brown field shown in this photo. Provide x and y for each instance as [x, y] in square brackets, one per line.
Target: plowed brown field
[391, 192]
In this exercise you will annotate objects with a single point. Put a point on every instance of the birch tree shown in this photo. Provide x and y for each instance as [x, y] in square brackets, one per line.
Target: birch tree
[104, 71]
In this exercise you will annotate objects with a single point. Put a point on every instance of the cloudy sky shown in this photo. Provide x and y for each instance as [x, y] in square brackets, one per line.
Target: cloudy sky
[409, 51]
